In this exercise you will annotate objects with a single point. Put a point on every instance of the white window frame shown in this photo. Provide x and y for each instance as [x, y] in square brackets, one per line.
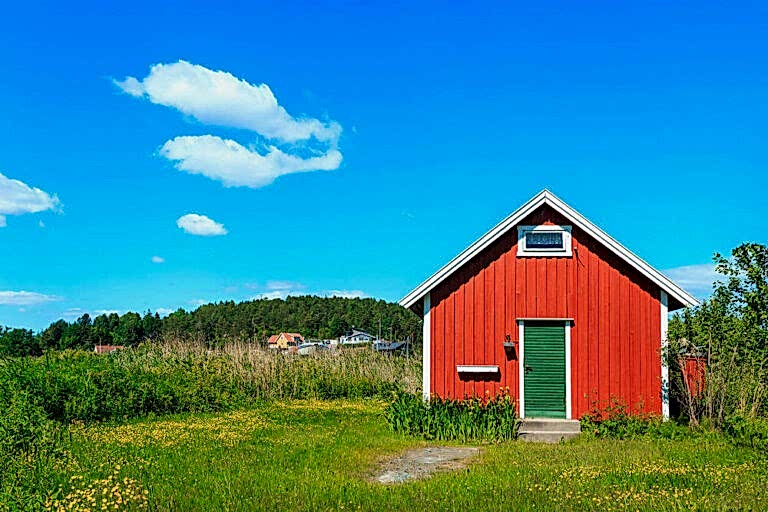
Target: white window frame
[524, 251]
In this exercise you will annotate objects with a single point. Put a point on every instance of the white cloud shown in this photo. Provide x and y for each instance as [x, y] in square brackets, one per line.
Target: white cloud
[17, 198]
[72, 313]
[237, 166]
[24, 298]
[164, 311]
[201, 225]
[696, 279]
[219, 98]
[347, 294]
[158, 259]
[284, 285]
[107, 312]
[198, 302]
[276, 294]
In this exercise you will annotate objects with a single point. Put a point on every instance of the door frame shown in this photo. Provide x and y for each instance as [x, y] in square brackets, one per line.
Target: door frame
[521, 361]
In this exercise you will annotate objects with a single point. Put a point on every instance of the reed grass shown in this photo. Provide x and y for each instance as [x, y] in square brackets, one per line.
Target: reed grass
[180, 376]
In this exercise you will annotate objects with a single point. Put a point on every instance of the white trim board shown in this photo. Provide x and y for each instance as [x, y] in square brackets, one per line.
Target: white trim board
[545, 197]
[521, 364]
[477, 368]
[426, 371]
[664, 301]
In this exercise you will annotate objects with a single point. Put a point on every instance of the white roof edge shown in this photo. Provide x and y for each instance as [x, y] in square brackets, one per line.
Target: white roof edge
[548, 198]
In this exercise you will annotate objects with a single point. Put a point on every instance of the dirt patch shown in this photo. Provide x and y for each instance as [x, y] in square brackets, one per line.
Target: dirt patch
[422, 462]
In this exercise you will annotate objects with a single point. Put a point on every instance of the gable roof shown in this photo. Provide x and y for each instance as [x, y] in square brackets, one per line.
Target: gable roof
[545, 197]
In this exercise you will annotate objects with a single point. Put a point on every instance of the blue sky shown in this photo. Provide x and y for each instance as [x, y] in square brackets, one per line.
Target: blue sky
[431, 122]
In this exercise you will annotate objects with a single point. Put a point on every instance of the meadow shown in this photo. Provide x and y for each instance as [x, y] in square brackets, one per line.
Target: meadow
[321, 455]
[178, 426]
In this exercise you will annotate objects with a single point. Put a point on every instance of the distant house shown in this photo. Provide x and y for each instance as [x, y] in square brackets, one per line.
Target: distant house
[356, 336]
[285, 340]
[107, 349]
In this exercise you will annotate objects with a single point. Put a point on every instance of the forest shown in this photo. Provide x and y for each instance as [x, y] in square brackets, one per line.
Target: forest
[215, 324]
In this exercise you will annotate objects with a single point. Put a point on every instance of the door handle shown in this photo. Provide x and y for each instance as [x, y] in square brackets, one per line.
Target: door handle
[528, 369]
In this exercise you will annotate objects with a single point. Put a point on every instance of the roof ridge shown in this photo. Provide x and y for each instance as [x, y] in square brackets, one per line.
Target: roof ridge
[547, 197]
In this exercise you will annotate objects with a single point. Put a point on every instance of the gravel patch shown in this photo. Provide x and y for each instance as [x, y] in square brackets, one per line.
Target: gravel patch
[422, 462]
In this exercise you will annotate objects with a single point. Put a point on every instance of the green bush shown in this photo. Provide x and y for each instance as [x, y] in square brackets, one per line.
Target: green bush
[618, 421]
[493, 419]
[745, 431]
[29, 447]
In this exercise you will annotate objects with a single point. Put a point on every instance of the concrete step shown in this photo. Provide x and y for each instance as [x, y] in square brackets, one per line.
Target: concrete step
[548, 430]
[550, 425]
[547, 437]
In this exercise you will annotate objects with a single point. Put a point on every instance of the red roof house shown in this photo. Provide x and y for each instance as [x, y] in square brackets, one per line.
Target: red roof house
[550, 306]
[285, 340]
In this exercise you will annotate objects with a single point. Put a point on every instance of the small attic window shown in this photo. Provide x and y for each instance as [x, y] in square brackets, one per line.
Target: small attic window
[544, 241]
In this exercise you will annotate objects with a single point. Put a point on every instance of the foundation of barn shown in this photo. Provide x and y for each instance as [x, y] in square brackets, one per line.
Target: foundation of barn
[546, 430]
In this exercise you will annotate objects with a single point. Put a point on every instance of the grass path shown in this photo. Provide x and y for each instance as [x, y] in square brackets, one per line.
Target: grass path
[320, 456]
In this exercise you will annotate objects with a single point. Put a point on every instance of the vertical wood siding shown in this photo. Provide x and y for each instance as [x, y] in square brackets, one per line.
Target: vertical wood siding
[615, 337]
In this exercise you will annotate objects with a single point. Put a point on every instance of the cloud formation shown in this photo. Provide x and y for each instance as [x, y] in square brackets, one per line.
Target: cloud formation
[237, 166]
[24, 298]
[17, 198]
[200, 225]
[347, 294]
[158, 259]
[219, 98]
[696, 279]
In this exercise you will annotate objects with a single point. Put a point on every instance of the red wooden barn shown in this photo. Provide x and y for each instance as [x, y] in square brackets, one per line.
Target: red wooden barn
[550, 306]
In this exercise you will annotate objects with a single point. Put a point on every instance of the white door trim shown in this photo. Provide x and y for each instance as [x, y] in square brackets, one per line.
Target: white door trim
[664, 300]
[521, 363]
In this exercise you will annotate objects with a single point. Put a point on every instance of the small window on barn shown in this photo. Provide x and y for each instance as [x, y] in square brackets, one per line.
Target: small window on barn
[544, 241]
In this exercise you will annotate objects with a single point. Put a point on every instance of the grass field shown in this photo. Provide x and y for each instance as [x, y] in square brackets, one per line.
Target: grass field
[320, 455]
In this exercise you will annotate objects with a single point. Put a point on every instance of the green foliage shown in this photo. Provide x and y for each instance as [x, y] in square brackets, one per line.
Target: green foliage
[491, 420]
[309, 455]
[618, 421]
[730, 332]
[155, 379]
[29, 448]
[18, 342]
[752, 432]
[216, 324]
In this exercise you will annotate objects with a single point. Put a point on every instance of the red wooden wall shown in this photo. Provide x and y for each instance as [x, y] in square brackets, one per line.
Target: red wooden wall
[615, 336]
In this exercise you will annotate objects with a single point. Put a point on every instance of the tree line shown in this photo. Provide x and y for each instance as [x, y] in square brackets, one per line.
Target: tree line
[251, 321]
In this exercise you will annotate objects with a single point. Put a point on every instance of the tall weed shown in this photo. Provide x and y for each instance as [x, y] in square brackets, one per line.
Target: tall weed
[472, 419]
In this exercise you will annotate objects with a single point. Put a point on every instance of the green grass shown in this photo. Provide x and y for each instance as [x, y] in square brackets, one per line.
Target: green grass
[320, 455]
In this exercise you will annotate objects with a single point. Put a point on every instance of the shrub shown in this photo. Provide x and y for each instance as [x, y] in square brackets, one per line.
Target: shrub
[746, 431]
[618, 421]
[482, 419]
[28, 450]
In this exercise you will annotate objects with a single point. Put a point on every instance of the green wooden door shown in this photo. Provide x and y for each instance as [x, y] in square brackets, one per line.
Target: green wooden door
[544, 367]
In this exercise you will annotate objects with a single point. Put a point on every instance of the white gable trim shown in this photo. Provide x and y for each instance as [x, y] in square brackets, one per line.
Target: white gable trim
[545, 197]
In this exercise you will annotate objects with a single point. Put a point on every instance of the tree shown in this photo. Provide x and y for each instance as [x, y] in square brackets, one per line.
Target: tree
[729, 332]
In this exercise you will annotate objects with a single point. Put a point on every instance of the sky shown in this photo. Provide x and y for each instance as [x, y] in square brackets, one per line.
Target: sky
[157, 156]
